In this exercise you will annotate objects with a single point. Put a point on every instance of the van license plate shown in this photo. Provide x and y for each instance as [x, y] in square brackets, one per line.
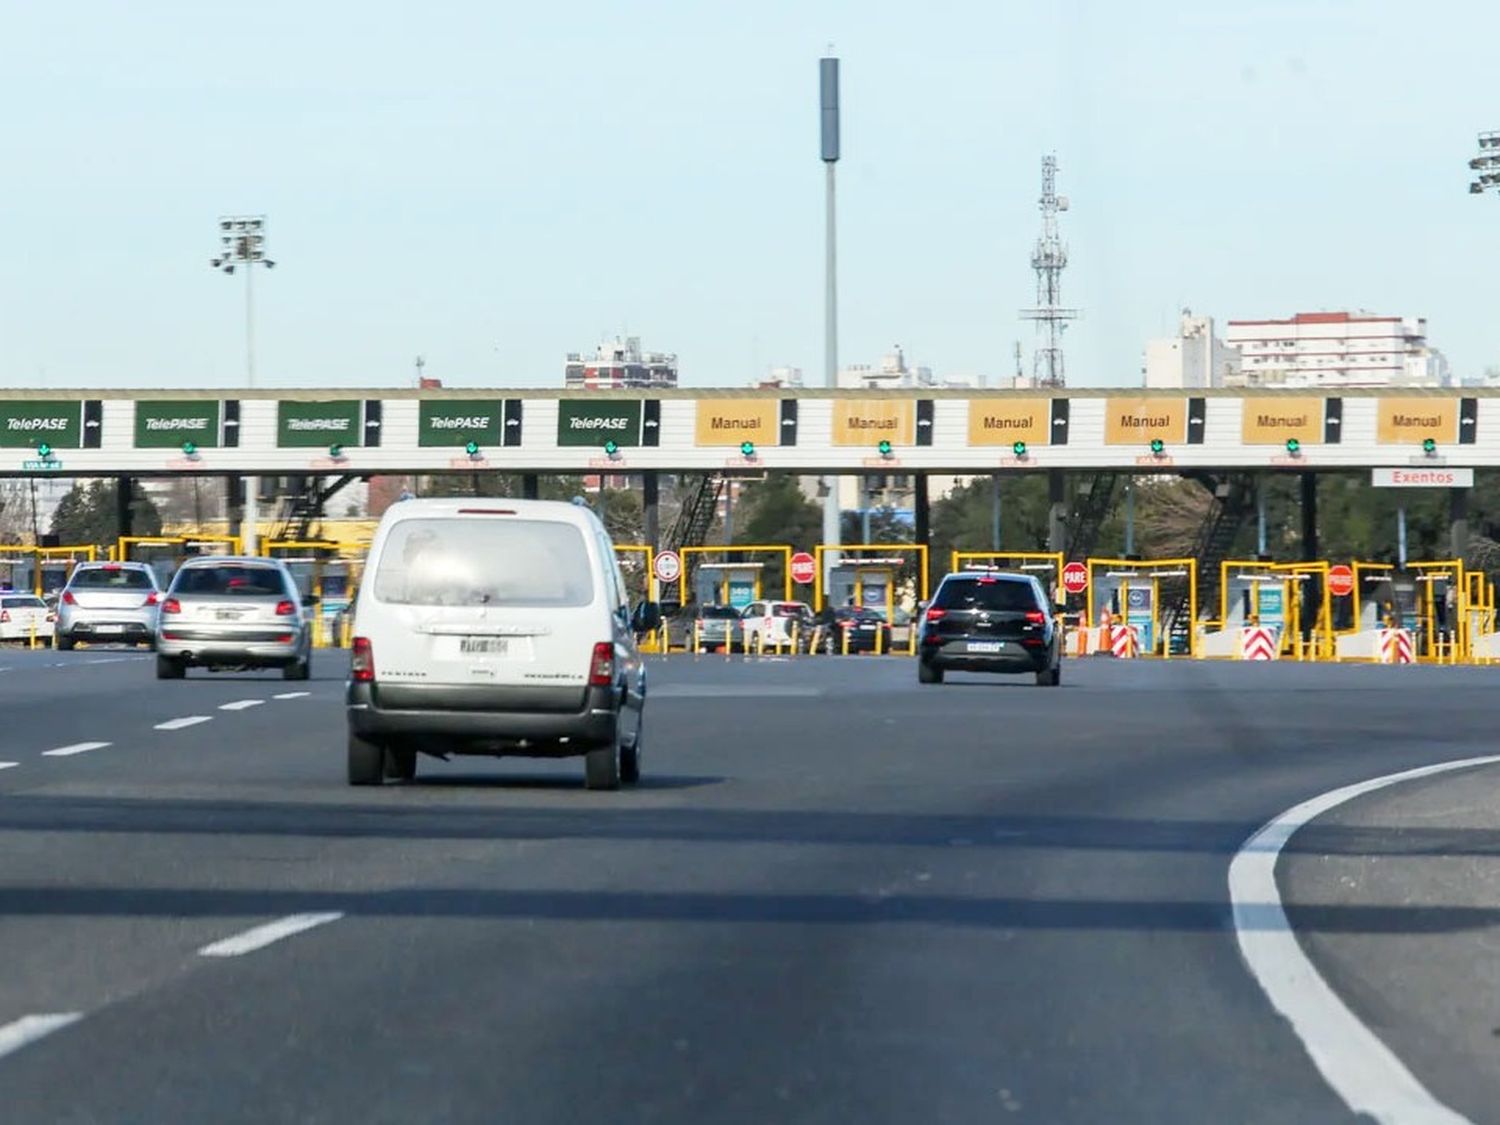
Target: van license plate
[484, 646]
[985, 646]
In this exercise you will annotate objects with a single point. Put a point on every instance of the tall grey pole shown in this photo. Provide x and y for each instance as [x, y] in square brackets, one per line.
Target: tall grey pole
[994, 511]
[250, 517]
[1129, 517]
[1401, 537]
[828, 100]
[1260, 517]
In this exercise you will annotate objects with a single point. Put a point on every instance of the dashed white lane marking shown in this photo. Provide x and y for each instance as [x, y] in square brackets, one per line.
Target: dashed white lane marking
[185, 721]
[28, 1029]
[75, 748]
[1362, 1070]
[292, 695]
[258, 937]
[9, 765]
[240, 704]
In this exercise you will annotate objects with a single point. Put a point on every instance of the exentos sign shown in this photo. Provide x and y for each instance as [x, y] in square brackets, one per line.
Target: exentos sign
[24, 424]
[306, 425]
[168, 423]
[454, 422]
[594, 422]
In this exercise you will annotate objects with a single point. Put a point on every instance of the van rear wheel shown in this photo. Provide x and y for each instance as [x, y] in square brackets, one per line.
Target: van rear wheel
[400, 763]
[170, 668]
[630, 756]
[366, 761]
[601, 765]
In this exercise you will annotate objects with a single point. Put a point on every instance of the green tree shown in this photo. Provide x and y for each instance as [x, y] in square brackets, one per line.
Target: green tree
[88, 514]
[776, 510]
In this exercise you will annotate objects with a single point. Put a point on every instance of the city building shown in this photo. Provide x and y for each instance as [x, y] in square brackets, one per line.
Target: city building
[1194, 359]
[892, 372]
[621, 365]
[1336, 349]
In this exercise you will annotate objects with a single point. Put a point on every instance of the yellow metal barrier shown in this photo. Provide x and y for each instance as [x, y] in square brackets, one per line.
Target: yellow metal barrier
[1127, 571]
[776, 551]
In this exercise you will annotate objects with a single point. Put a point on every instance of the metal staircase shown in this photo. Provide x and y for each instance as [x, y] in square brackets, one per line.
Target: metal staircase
[1093, 502]
[700, 507]
[1233, 504]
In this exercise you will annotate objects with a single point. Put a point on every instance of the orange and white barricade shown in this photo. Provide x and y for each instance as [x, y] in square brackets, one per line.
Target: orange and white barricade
[1260, 642]
[1397, 646]
[1125, 641]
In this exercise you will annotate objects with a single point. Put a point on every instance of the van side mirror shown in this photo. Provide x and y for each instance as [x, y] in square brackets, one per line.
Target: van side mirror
[647, 617]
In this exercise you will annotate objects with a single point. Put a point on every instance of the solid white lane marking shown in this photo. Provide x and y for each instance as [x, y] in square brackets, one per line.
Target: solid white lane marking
[185, 721]
[28, 1029]
[240, 704]
[1362, 1070]
[9, 765]
[292, 695]
[258, 937]
[75, 748]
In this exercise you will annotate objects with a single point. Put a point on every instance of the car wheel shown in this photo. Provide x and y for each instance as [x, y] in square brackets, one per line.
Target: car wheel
[366, 761]
[1050, 677]
[400, 763]
[170, 668]
[601, 765]
[301, 670]
[927, 674]
[630, 756]
[63, 644]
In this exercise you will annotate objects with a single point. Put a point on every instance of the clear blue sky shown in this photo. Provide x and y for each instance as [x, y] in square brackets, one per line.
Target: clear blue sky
[494, 185]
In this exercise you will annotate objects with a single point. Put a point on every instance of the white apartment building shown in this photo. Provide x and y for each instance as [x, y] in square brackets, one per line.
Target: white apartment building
[892, 371]
[1194, 359]
[1336, 349]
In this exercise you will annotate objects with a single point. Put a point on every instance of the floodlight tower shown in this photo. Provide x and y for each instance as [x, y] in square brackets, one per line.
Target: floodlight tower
[242, 246]
[1049, 259]
[1486, 164]
[828, 120]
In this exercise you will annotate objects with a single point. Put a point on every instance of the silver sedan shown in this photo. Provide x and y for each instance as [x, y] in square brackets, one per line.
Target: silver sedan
[231, 614]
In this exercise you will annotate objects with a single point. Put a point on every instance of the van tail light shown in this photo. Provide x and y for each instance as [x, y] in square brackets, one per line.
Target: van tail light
[151, 598]
[171, 605]
[68, 598]
[1036, 617]
[602, 666]
[936, 614]
[4, 617]
[362, 667]
[286, 609]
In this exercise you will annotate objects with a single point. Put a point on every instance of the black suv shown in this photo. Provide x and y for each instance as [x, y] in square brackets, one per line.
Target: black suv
[989, 622]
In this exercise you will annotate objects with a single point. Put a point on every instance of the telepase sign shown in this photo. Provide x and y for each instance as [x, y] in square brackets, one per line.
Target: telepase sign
[1422, 478]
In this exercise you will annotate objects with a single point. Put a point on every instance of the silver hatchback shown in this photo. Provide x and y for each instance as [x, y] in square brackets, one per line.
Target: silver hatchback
[231, 614]
[108, 602]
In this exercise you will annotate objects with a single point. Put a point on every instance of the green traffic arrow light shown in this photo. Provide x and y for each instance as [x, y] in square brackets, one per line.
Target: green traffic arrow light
[747, 449]
[335, 450]
[189, 448]
[1429, 445]
[472, 448]
[611, 447]
[1293, 446]
[1157, 445]
[1019, 448]
[885, 448]
[43, 450]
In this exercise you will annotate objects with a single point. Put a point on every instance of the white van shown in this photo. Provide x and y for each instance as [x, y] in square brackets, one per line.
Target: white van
[495, 626]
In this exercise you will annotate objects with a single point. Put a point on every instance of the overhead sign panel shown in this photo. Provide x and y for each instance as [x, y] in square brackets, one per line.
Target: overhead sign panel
[306, 425]
[1009, 420]
[168, 423]
[457, 421]
[730, 421]
[1275, 421]
[25, 423]
[1408, 421]
[1422, 478]
[1138, 419]
[869, 421]
[596, 421]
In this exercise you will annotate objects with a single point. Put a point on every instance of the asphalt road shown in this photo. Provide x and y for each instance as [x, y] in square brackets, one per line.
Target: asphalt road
[838, 897]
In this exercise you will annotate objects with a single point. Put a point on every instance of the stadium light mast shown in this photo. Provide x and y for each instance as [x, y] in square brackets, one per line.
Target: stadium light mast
[828, 107]
[1486, 165]
[242, 246]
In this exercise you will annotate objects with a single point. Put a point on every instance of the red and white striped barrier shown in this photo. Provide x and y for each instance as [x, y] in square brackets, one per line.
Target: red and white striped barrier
[1397, 646]
[1259, 642]
[1125, 641]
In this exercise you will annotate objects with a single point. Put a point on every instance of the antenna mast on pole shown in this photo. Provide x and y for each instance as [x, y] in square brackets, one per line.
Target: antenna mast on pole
[1049, 259]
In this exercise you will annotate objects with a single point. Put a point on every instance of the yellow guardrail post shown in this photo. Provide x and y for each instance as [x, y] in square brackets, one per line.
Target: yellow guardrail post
[33, 633]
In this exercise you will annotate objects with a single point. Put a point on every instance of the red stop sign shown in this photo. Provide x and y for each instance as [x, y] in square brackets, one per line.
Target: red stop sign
[1340, 581]
[804, 568]
[1075, 578]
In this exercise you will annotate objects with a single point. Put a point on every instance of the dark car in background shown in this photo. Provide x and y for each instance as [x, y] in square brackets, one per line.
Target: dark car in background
[991, 622]
[867, 630]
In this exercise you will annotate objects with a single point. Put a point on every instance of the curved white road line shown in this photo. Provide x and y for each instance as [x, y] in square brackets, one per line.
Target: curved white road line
[1362, 1070]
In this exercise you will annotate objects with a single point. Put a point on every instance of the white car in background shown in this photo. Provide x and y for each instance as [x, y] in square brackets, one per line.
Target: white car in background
[23, 616]
[784, 624]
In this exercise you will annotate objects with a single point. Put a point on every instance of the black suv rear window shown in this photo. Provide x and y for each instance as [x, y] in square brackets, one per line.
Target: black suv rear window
[993, 594]
[110, 578]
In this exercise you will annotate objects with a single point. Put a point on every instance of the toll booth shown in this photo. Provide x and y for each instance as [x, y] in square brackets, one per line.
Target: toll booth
[42, 570]
[1428, 599]
[866, 582]
[1146, 595]
[878, 576]
[1291, 598]
[735, 584]
[165, 553]
[328, 569]
[736, 576]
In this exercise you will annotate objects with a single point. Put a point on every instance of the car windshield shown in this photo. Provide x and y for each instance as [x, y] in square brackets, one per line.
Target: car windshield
[110, 578]
[990, 594]
[23, 603]
[457, 561]
[718, 612]
[230, 580]
[787, 609]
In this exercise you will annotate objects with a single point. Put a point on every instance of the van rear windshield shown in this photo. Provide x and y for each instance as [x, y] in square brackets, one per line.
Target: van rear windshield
[993, 594]
[481, 561]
